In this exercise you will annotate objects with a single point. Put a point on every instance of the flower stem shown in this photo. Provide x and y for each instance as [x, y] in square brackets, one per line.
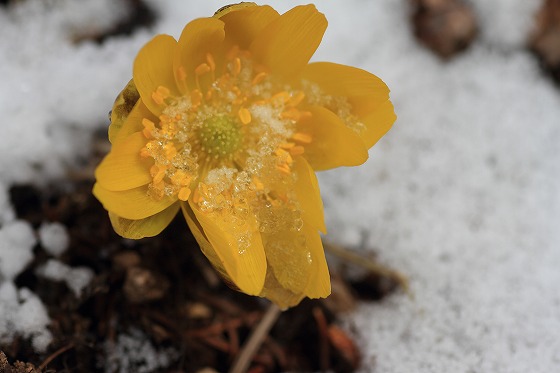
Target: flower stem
[256, 339]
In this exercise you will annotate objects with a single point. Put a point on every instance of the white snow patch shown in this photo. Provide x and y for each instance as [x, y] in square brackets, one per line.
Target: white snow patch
[16, 248]
[54, 238]
[75, 278]
[134, 352]
[23, 313]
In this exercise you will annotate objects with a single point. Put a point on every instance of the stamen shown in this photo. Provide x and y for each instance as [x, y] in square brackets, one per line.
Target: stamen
[196, 98]
[236, 66]
[297, 150]
[284, 168]
[182, 74]
[160, 94]
[296, 99]
[244, 115]
[302, 137]
[149, 127]
[211, 61]
[202, 69]
[184, 193]
[259, 78]
[280, 98]
[287, 145]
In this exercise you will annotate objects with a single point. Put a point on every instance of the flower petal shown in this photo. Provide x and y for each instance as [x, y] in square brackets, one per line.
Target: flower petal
[240, 248]
[132, 124]
[333, 143]
[199, 37]
[378, 123]
[308, 194]
[123, 168]
[133, 204]
[319, 285]
[365, 92]
[287, 43]
[298, 263]
[124, 104]
[153, 67]
[148, 227]
[242, 25]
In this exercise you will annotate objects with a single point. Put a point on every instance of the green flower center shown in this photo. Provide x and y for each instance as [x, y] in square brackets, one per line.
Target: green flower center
[220, 136]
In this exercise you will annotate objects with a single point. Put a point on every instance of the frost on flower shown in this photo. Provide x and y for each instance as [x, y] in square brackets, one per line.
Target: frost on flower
[228, 125]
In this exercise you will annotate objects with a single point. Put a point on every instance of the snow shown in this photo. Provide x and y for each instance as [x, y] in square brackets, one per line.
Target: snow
[462, 195]
[75, 278]
[134, 352]
[54, 238]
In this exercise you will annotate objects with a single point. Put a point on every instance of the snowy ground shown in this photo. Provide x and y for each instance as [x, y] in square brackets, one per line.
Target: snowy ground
[462, 195]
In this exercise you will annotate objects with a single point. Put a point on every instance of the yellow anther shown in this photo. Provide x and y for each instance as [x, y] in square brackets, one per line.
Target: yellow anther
[244, 115]
[158, 99]
[149, 127]
[302, 137]
[184, 193]
[281, 97]
[157, 173]
[196, 98]
[297, 150]
[296, 99]
[291, 113]
[257, 183]
[202, 69]
[145, 153]
[170, 151]
[210, 61]
[163, 91]
[259, 78]
[233, 52]
[280, 152]
[181, 178]
[209, 94]
[287, 145]
[236, 66]
[284, 168]
[181, 73]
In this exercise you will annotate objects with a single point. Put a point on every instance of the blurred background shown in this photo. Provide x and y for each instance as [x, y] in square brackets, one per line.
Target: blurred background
[462, 197]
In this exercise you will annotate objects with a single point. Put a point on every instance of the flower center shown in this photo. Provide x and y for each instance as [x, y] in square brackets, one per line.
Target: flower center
[220, 136]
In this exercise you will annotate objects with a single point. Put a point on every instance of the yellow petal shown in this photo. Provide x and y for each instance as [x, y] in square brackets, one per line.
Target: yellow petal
[205, 246]
[242, 25]
[308, 194]
[378, 123]
[148, 227]
[123, 168]
[287, 43]
[298, 262]
[199, 38]
[153, 67]
[333, 144]
[133, 204]
[232, 8]
[124, 104]
[239, 247]
[319, 285]
[132, 124]
[365, 92]
[279, 295]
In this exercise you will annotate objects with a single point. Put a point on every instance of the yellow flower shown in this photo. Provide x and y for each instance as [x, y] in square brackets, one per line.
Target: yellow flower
[228, 125]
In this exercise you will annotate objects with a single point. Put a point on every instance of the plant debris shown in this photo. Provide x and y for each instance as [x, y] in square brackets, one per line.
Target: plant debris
[545, 41]
[447, 27]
